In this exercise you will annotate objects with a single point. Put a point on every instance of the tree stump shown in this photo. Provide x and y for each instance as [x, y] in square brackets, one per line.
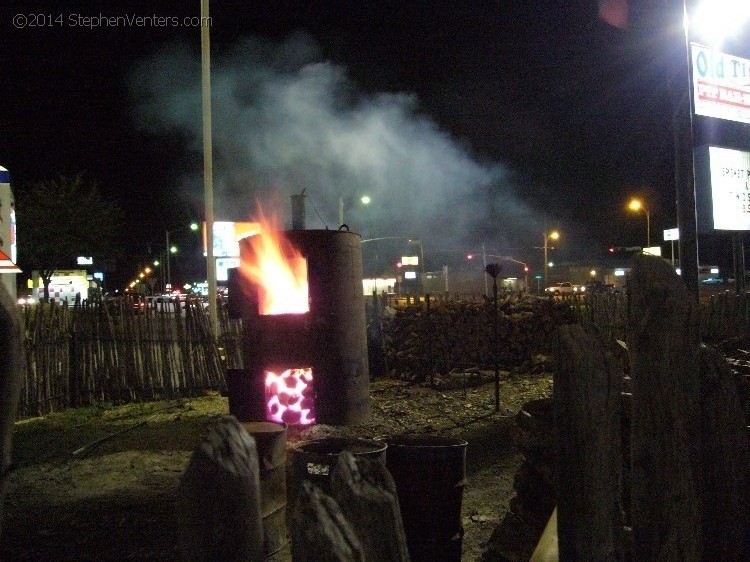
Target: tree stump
[366, 493]
[587, 404]
[320, 532]
[11, 377]
[218, 500]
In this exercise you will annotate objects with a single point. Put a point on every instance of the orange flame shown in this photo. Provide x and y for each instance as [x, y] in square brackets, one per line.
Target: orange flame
[279, 270]
[289, 396]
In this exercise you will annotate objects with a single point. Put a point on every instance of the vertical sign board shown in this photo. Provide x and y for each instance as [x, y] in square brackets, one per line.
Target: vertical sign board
[8, 244]
[722, 181]
[721, 84]
[227, 235]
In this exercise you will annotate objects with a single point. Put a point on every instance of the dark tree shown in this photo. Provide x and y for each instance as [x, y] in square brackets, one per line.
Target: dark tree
[61, 219]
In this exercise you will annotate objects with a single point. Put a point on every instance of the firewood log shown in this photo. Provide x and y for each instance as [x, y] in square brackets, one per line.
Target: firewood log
[366, 493]
[319, 531]
[218, 500]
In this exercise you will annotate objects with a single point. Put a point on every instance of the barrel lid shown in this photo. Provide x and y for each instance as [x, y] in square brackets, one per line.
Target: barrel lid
[334, 446]
[425, 441]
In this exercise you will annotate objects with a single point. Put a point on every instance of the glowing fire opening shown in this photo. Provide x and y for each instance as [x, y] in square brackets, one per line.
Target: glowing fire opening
[279, 271]
[289, 396]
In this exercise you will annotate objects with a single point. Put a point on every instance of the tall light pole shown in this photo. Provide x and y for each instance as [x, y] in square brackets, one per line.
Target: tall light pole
[365, 200]
[208, 166]
[171, 250]
[637, 205]
[554, 235]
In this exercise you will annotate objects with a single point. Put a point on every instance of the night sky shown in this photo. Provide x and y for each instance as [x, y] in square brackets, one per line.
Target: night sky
[468, 123]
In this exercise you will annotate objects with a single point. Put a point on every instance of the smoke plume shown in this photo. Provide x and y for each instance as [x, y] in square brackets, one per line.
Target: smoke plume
[285, 120]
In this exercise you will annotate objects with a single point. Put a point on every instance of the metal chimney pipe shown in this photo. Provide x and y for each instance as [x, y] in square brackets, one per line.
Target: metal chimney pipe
[298, 211]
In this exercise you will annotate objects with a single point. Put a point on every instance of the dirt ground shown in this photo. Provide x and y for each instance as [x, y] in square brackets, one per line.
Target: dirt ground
[73, 497]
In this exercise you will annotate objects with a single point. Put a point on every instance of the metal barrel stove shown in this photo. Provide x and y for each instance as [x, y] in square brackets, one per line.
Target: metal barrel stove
[331, 338]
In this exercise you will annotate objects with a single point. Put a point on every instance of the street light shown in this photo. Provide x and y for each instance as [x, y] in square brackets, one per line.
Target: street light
[365, 200]
[719, 19]
[636, 205]
[172, 250]
[554, 235]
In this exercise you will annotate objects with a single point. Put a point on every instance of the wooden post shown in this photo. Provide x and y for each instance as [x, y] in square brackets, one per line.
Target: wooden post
[726, 466]
[319, 531]
[587, 406]
[366, 494]
[375, 340]
[430, 338]
[218, 500]
[666, 434]
[11, 377]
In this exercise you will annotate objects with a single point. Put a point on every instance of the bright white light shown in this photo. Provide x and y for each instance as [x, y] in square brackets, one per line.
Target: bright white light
[619, 273]
[714, 270]
[715, 20]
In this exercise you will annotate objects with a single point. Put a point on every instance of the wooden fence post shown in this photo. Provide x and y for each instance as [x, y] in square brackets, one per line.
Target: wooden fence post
[375, 341]
[588, 410]
[319, 530]
[666, 435]
[726, 466]
[218, 500]
[366, 494]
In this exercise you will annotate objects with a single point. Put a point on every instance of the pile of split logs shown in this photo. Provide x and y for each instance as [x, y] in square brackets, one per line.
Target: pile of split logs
[419, 339]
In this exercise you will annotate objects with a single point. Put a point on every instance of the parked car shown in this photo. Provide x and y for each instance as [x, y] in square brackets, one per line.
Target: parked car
[599, 287]
[562, 288]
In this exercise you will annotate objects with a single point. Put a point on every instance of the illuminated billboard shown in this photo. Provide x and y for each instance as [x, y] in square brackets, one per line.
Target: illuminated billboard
[227, 236]
[223, 265]
[721, 84]
[8, 246]
[722, 181]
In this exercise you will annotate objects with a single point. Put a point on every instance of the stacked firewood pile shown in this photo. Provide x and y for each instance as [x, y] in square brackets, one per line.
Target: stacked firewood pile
[737, 351]
[420, 339]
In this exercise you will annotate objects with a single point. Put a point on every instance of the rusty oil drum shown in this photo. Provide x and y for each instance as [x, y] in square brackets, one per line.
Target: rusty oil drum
[430, 476]
[270, 442]
[314, 460]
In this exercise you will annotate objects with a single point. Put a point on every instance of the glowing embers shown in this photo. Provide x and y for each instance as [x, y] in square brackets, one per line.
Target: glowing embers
[289, 396]
[279, 270]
